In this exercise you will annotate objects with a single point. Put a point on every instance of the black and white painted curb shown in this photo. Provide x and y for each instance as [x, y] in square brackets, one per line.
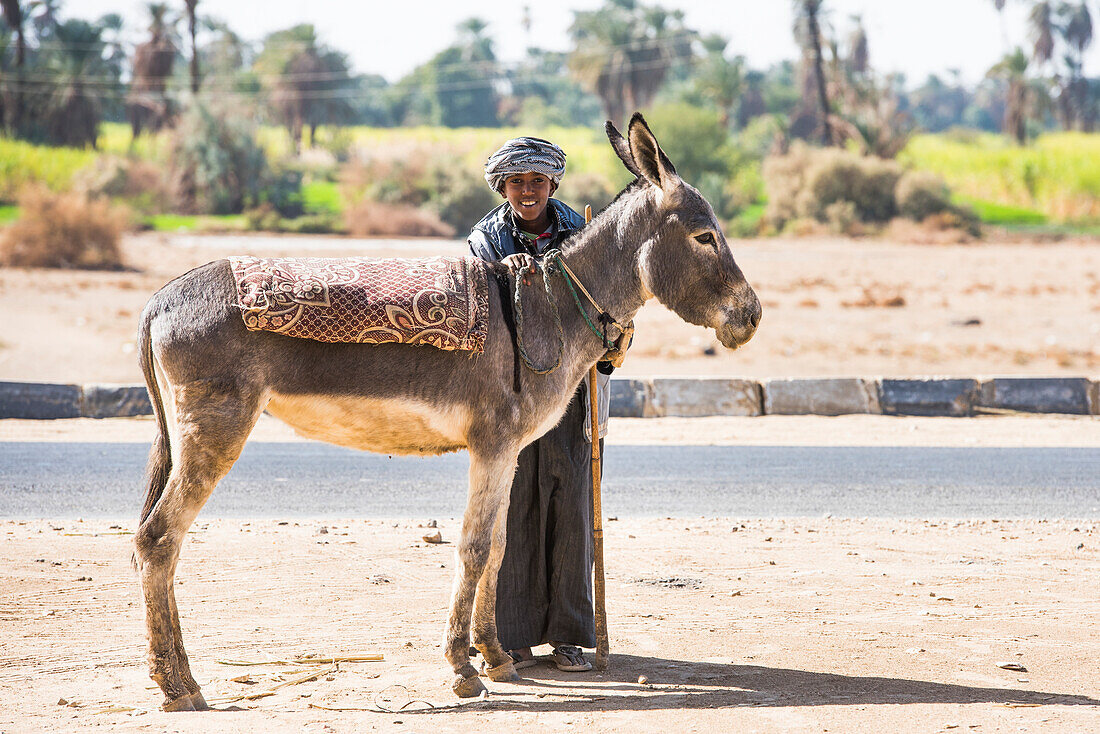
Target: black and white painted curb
[684, 396]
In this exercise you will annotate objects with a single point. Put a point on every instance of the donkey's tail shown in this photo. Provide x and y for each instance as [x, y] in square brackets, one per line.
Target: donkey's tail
[160, 456]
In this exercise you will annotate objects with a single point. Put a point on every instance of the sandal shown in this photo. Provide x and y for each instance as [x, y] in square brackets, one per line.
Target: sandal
[519, 661]
[570, 658]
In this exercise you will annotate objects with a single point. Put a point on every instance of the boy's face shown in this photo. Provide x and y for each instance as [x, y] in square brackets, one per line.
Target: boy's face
[528, 194]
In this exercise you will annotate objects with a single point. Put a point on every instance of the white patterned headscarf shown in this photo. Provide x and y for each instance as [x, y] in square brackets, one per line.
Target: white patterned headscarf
[521, 155]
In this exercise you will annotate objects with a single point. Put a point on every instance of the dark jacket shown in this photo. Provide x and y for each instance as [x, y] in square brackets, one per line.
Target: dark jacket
[496, 236]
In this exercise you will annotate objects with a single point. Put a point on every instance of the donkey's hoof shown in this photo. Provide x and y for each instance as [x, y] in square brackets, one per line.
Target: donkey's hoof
[470, 687]
[183, 703]
[198, 703]
[503, 673]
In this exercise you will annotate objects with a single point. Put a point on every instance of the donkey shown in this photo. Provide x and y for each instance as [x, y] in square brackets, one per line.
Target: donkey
[210, 379]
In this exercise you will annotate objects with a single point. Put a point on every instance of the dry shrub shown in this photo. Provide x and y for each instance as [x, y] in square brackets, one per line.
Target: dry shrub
[921, 194]
[63, 231]
[947, 228]
[140, 183]
[379, 219]
[806, 182]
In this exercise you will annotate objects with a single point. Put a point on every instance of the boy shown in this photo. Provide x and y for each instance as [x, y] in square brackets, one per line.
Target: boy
[544, 591]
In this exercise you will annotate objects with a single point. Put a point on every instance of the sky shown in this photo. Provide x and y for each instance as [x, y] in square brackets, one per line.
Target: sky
[391, 38]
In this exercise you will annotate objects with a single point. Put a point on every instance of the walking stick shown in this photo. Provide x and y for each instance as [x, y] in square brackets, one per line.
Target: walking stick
[597, 514]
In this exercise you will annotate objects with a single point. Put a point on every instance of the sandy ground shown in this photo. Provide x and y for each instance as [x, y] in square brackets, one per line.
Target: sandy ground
[824, 624]
[843, 625]
[983, 309]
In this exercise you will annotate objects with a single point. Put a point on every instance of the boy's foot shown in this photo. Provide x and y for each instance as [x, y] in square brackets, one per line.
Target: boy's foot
[570, 658]
[522, 658]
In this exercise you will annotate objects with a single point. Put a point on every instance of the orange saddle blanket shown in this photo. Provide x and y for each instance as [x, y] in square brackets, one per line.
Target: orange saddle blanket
[440, 301]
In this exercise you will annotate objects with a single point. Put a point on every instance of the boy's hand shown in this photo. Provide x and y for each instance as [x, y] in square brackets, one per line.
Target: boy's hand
[521, 265]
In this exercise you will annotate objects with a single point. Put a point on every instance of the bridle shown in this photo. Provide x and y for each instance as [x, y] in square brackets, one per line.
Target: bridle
[551, 263]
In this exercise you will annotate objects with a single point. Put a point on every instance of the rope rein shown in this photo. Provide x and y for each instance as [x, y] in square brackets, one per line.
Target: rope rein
[551, 264]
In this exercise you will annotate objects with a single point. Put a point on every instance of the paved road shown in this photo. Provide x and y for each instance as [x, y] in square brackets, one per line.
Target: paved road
[316, 480]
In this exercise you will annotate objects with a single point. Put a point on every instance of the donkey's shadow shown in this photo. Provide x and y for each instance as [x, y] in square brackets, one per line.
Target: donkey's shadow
[683, 684]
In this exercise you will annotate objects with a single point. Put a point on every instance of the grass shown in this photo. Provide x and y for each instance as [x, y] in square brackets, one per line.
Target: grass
[23, 163]
[322, 197]
[196, 223]
[991, 212]
[1056, 176]
[8, 213]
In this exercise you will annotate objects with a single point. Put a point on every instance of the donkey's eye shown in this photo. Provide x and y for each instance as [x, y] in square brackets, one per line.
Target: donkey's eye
[706, 239]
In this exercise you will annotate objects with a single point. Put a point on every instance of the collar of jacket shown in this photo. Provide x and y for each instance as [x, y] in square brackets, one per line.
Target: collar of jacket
[498, 223]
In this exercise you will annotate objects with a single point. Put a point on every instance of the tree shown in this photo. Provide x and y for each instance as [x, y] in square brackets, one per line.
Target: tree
[1041, 28]
[624, 50]
[455, 87]
[147, 105]
[1076, 31]
[807, 32]
[1012, 70]
[13, 16]
[191, 23]
[66, 112]
[307, 84]
[859, 59]
[719, 78]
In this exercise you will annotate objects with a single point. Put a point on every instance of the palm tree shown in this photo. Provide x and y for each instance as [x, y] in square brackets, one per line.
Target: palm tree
[807, 31]
[1041, 25]
[147, 105]
[190, 5]
[1076, 29]
[13, 16]
[859, 59]
[719, 78]
[1012, 70]
[69, 114]
[624, 50]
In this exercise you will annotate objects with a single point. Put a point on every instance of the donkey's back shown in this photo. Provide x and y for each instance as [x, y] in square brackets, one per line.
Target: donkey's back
[391, 398]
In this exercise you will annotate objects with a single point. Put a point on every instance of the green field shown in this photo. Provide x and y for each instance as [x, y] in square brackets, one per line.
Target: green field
[1056, 177]
[1053, 182]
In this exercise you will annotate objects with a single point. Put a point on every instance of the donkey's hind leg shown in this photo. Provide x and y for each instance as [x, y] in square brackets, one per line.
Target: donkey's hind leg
[490, 477]
[210, 430]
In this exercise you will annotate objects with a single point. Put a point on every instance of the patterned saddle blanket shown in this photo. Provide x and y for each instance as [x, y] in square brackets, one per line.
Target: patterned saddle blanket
[440, 301]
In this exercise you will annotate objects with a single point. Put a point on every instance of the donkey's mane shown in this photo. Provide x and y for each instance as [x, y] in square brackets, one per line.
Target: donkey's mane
[637, 184]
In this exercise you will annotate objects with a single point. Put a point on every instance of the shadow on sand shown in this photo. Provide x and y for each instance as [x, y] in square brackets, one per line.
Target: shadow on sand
[682, 684]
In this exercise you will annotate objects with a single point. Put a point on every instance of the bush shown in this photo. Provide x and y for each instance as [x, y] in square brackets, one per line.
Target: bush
[579, 189]
[140, 184]
[921, 194]
[461, 197]
[282, 191]
[217, 165]
[842, 217]
[63, 231]
[380, 219]
[807, 181]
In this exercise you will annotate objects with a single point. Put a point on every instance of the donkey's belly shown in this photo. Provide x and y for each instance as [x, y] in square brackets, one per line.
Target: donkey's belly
[371, 424]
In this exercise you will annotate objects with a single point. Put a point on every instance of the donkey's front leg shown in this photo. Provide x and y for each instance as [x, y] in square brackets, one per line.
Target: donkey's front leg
[490, 477]
[498, 663]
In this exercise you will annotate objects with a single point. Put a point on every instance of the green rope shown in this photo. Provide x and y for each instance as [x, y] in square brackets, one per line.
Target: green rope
[577, 299]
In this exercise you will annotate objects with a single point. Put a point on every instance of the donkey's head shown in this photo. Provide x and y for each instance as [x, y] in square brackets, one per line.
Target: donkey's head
[686, 263]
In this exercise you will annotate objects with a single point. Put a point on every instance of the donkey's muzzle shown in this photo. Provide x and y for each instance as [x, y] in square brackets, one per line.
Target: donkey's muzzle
[741, 325]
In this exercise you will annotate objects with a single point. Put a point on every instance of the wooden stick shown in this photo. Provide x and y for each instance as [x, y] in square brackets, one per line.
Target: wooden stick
[597, 515]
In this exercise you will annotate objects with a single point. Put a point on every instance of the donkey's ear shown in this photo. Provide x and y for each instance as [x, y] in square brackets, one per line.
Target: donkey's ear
[622, 148]
[650, 159]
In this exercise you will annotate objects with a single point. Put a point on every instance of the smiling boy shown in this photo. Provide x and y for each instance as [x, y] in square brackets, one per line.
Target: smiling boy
[544, 591]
